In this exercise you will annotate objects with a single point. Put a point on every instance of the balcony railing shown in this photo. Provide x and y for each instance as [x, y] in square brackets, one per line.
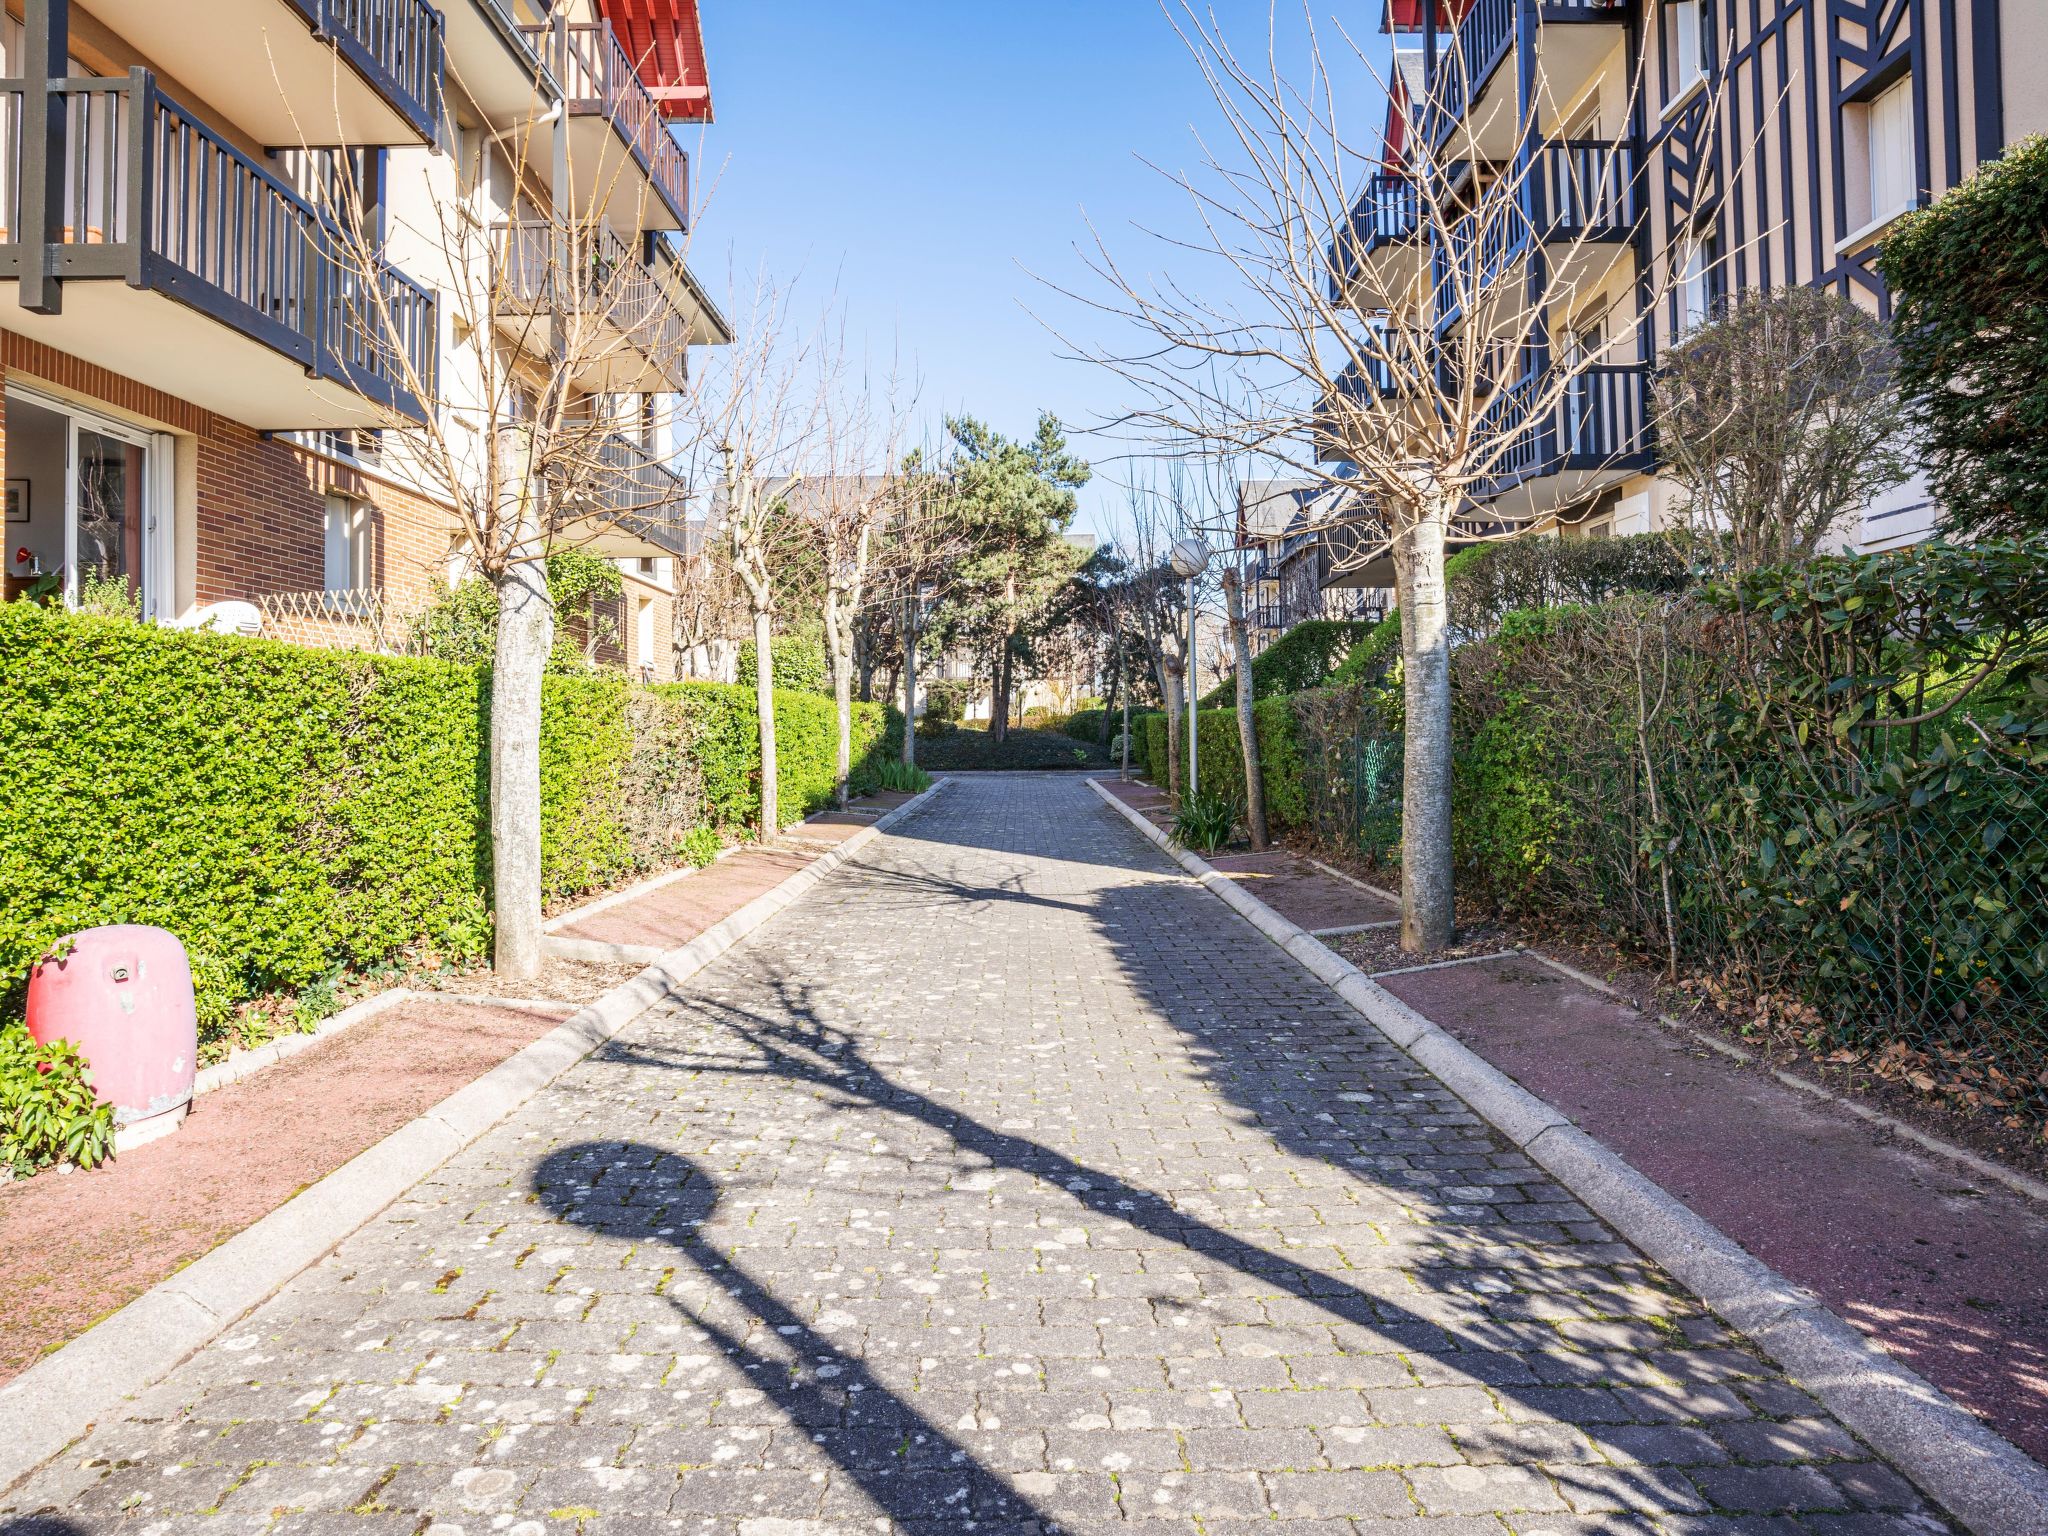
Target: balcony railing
[633, 490]
[1584, 188]
[1476, 252]
[606, 272]
[598, 78]
[395, 44]
[1599, 421]
[154, 197]
[1482, 38]
[1385, 214]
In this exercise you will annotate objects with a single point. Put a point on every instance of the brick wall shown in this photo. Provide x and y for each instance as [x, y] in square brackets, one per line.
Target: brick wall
[261, 516]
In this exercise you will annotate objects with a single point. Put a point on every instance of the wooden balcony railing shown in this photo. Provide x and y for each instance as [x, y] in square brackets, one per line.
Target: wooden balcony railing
[604, 272]
[1600, 421]
[1472, 48]
[154, 197]
[598, 78]
[1585, 188]
[1385, 214]
[395, 44]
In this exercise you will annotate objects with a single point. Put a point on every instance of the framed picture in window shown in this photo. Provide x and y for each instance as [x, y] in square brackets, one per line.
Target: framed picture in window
[17, 501]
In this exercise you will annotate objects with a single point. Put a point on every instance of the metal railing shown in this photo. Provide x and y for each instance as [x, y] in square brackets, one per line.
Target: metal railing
[1482, 37]
[153, 196]
[633, 490]
[1385, 214]
[397, 44]
[597, 76]
[605, 273]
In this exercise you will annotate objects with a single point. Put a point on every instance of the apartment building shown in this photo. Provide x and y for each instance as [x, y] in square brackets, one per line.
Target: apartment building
[1661, 154]
[1316, 553]
[196, 403]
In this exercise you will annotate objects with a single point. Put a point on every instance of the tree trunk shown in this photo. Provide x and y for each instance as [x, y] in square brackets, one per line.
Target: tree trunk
[842, 699]
[1247, 717]
[525, 634]
[864, 659]
[999, 692]
[909, 691]
[764, 715]
[1427, 911]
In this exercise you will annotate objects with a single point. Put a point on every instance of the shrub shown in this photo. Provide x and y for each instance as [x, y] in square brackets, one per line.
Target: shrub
[1375, 654]
[290, 812]
[48, 1112]
[700, 846]
[1301, 658]
[903, 778]
[1020, 748]
[797, 661]
[1091, 724]
[1220, 759]
[1969, 281]
[1491, 581]
[1204, 820]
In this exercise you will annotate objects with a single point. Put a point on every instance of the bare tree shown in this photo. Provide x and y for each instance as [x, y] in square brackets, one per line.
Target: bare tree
[757, 415]
[1410, 386]
[922, 542]
[1779, 419]
[539, 433]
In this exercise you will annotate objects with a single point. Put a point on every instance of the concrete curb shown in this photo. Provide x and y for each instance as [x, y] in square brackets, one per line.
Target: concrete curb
[1988, 1484]
[66, 1393]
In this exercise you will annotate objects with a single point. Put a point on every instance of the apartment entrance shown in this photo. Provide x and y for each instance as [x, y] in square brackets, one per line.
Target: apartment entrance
[88, 506]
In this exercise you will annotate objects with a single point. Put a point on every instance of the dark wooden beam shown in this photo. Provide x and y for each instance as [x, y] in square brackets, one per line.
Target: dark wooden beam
[44, 131]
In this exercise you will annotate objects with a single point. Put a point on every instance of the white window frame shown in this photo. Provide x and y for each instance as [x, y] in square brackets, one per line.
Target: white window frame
[1891, 157]
[158, 578]
[1688, 53]
[346, 546]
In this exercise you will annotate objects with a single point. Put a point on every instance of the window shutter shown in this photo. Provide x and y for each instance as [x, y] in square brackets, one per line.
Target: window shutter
[1891, 151]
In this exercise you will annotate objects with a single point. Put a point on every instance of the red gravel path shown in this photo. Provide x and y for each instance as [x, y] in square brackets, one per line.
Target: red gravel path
[1301, 893]
[1948, 1271]
[676, 913]
[75, 1247]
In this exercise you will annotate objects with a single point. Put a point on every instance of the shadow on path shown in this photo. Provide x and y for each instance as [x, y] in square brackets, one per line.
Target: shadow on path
[915, 1472]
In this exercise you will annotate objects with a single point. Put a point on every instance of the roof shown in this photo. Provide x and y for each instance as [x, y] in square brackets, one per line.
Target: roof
[665, 40]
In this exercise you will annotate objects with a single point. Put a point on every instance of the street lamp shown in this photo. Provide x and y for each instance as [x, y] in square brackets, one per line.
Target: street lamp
[1189, 558]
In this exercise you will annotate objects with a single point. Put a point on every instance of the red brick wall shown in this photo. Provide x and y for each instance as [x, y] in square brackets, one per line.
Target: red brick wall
[261, 523]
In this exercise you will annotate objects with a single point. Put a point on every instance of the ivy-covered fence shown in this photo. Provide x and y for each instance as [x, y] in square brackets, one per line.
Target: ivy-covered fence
[288, 812]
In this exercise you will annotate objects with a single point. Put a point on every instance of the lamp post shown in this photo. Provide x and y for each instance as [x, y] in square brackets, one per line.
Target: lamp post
[1189, 558]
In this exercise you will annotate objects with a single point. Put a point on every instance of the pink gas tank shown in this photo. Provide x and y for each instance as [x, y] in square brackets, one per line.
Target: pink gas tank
[123, 996]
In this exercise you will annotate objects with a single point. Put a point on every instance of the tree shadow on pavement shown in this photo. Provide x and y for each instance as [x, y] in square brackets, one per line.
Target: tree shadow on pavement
[915, 1472]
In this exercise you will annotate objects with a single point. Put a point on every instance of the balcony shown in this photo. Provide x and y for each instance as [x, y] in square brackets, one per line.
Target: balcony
[291, 72]
[1581, 200]
[1378, 252]
[192, 269]
[638, 327]
[624, 165]
[1474, 83]
[634, 505]
[1594, 433]
[495, 58]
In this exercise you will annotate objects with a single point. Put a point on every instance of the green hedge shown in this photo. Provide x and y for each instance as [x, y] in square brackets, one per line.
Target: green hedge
[289, 812]
[728, 748]
[1969, 278]
[1299, 659]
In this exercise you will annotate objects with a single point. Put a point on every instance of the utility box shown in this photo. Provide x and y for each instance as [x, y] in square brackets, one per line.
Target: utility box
[123, 996]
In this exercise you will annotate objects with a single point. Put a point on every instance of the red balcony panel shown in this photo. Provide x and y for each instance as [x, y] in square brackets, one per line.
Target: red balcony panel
[665, 39]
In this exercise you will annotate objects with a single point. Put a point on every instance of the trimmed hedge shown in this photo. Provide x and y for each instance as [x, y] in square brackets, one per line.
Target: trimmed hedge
[1221, 764]
[1301, 658]
[290, 812]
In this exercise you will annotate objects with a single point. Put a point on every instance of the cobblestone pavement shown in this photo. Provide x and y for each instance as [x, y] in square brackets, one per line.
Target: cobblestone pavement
[1008, 1183]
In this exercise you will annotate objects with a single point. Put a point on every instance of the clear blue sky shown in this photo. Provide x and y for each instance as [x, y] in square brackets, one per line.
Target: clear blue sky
[924, 157]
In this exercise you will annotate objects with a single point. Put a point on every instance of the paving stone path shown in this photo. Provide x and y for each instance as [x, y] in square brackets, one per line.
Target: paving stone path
[1008, 1183]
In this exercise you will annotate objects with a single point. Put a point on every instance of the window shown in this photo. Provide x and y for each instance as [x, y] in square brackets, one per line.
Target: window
[1697, 283]
[1688, 20]
[348, 545]
[1892, 173]
[643, 635]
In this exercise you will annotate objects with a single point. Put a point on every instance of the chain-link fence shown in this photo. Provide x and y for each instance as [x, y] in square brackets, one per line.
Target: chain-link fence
[1833, 827]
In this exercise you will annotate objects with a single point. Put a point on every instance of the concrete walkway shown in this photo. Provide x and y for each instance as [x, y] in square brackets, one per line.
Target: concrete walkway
[1007, 1183]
